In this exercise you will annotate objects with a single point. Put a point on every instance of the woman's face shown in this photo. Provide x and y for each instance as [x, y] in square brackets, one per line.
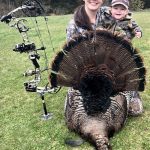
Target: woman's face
[93, 5]
[119, 12]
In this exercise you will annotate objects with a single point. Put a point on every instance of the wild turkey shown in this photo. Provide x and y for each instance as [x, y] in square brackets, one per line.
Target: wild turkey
[98, 67]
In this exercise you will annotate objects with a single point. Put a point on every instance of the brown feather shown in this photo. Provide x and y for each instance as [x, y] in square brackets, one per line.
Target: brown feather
[97, 48]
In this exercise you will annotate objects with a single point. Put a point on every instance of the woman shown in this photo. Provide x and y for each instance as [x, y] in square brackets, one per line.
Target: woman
[88, 17]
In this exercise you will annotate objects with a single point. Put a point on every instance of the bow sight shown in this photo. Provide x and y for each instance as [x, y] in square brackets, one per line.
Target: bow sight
[31, 9]
[24, 47]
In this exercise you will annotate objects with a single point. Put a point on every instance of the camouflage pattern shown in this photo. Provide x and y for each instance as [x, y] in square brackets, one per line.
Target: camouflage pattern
[73, 29]
[134, 103]
[125, 28]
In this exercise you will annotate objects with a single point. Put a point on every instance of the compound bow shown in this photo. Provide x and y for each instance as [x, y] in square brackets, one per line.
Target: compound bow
[32, 9]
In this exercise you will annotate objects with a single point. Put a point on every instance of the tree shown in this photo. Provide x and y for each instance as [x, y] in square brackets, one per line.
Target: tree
[136, 4]
[146, 3]
[65, 6]
[107, 2]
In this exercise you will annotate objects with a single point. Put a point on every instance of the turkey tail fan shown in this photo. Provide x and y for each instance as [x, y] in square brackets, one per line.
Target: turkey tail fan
[99, 59]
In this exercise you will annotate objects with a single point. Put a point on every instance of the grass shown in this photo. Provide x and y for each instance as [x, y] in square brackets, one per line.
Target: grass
[20, 123]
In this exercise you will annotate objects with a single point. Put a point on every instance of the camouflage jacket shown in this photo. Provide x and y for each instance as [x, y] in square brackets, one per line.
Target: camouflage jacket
[73, 29]
[125, 28]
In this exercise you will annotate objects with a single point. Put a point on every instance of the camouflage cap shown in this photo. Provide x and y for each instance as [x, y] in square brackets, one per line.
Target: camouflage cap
[125, 3]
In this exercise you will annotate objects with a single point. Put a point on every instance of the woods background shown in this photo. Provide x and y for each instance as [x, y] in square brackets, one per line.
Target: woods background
[61, 7]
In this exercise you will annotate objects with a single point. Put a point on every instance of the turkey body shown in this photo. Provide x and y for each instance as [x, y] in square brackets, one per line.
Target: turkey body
[98, 67]
[96, 126]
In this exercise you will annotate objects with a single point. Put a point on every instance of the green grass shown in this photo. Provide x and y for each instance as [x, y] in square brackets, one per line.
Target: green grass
[20, 125]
